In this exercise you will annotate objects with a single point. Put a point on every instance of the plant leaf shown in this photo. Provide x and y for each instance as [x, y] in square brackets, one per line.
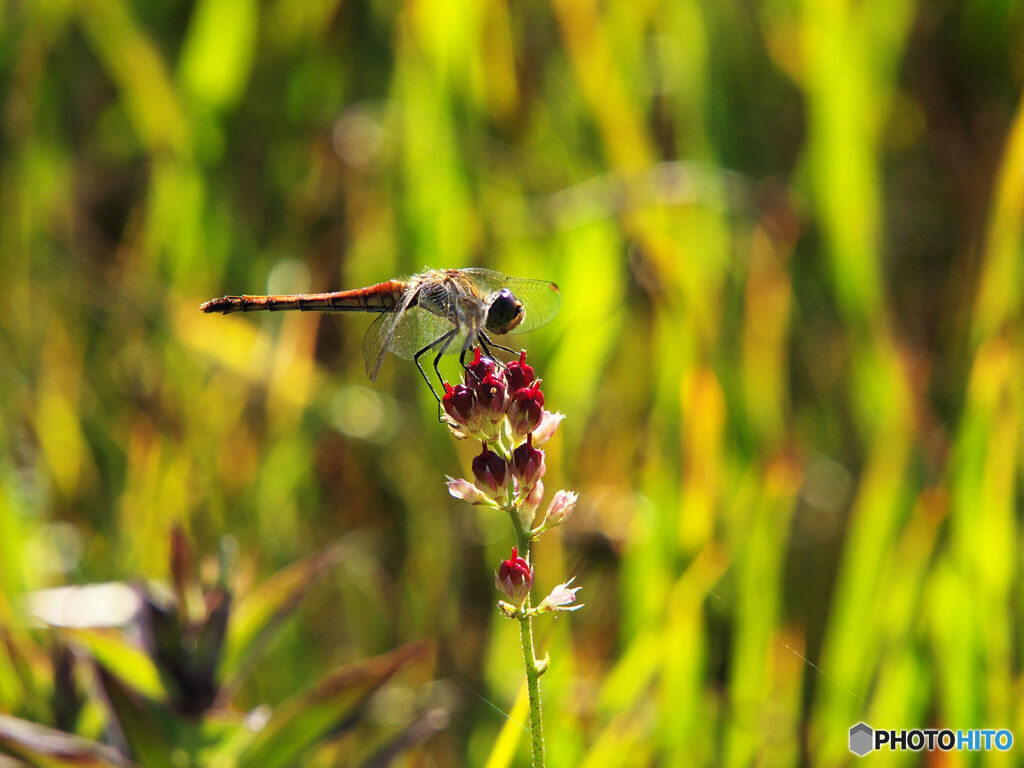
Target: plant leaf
[121, 657]
[139, 722]
[49, 747]
[336, 702]
[421, 729]
[258, 613]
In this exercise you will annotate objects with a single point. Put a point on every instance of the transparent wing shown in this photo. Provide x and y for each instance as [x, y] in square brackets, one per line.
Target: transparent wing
[375, 342]
[379, 335]
[417, 328]
[540, 298]
[404, 333]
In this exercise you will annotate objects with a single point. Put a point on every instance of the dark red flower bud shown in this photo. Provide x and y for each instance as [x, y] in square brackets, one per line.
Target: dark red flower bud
[480, 368]
[490, 471]
[514, 577]
[492, 397]
[528, 464]
[518, 374]
[526, 409]
[459, 403]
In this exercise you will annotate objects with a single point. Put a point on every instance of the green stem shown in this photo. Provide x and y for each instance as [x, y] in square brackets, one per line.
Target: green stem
[530, 657]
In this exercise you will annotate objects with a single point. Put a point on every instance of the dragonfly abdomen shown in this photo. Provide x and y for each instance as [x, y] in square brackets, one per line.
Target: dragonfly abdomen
[373, 298]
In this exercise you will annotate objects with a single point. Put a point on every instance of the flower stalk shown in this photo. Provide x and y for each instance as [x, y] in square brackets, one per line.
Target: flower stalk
[533, 669]
[502, 406]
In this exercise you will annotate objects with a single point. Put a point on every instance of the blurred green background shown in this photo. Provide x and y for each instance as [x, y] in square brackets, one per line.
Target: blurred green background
[788, 238]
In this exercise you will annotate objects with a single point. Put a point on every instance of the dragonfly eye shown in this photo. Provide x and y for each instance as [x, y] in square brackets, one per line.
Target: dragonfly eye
[505, 312]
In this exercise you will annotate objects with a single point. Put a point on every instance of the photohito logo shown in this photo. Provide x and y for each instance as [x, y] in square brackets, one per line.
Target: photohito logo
[861, 741]
[864, 739]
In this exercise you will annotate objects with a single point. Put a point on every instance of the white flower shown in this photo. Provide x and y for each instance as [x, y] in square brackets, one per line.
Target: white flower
[560, 508]
[560, 598]
[465, 490]
[548, 424]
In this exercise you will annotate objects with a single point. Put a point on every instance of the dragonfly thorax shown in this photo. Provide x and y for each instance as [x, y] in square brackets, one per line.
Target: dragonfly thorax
[504, 313]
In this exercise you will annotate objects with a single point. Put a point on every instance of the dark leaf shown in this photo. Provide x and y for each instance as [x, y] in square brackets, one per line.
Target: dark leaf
[140, 726]
[206, 654]
[182, 565]
[67, 701]
[186, 655]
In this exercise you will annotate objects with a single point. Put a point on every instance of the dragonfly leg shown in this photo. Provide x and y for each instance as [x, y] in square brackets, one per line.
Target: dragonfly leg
[486, 340]
[462, 362]
[444, 340]
[444, 348]
[486, 343]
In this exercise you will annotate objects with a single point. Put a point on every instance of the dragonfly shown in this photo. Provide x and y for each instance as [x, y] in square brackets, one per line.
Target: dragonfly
[438, 310]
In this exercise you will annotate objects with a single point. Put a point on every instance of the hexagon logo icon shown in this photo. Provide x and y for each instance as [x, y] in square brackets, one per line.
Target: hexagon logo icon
[861, 739]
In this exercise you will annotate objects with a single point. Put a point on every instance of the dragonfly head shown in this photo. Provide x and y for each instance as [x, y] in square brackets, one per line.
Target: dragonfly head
[504, 313]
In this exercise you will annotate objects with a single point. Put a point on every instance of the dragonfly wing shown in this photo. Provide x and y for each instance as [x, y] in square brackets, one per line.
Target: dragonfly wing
[375, 342]
[406, 330]
[540, 298]
[487, 280]
[417, 328]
